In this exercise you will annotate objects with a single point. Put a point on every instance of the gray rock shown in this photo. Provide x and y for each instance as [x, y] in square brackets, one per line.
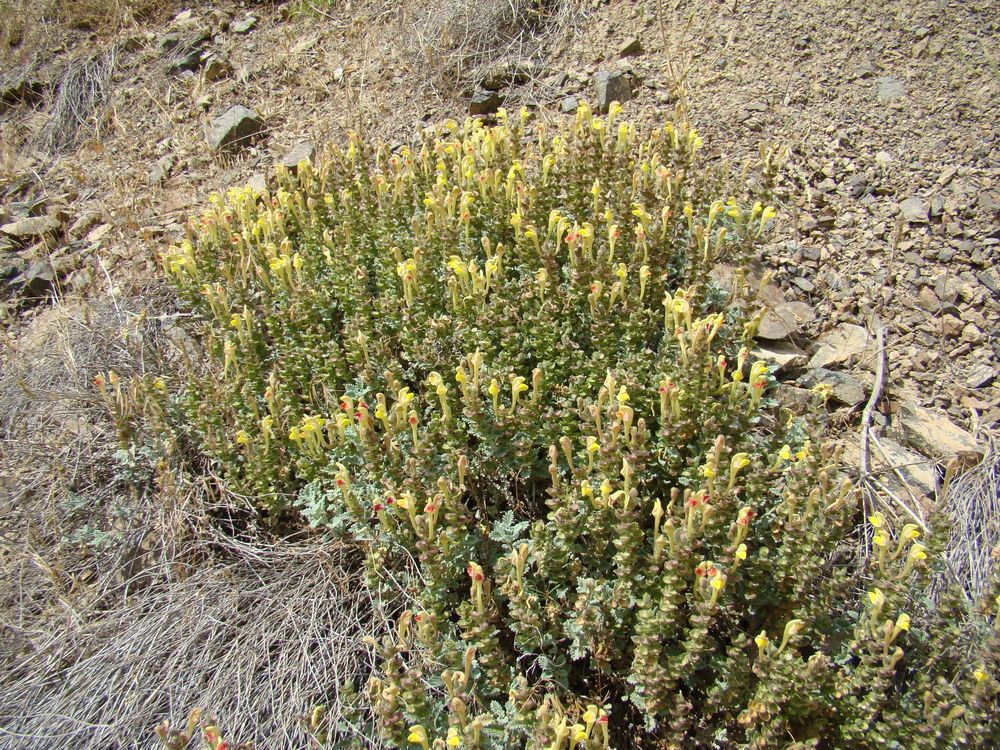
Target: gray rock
[190, 61]
[244, 26]
[11, 264]
[798, 400]
[301, 152]
[37, 280]
[611, 86]
[980, 376]
[933, 434]
[160, 170]
[485, 102]
[511, 73]
[31, 227]
[914, 210]
[841, 344]
[889, 89]
[257, 182]
[843, 388]
[785, 319]
[781, 355]
[235, 128]
[216, 69]
[570, 104]
[988, 277]
[631, 48]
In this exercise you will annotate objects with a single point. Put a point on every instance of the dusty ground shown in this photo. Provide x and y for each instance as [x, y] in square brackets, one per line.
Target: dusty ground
[890, 200]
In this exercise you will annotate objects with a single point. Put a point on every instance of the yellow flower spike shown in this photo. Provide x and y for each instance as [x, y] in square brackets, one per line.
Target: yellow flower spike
[517, 387]
[918, 552]
[586, 490]
[454, 738]
[741, 552]
[903, 622]
[613, 234]
[494, 390]
[877, 599]
[792, 628]
[881, 539]
[243, 438]
[623, 396]
[766, 215]
[536, 384]
[980, 675]
[738, 462]
[762, 642]
[418, 736]
[644, 274]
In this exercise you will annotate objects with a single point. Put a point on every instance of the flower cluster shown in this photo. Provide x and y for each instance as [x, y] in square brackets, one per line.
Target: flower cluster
[498, 355]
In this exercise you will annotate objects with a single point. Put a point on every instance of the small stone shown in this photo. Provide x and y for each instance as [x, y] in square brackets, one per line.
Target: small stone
[257, 182]
[191, 61]
[889, 89]
[951, 326]
[988, 277]
[781, 355]
[980, 376]
[31, 227]
[244, 26]
[98, 233]
[841, 344]
[11, 265]
[160, 170]
[947, 176]
[485, 102]
[971, 334]
[928, 300]
[989, 203]
[914, 210]
[216, 69]
[784, 320]
[756, 106]
[933, 434]
[796, 399]
[37, 280]
[83, 224]
[857, 185]
[631, 48]
[570, 104]
[804, 284]
[236, 127]
[611, 86]
[843, 388]
[301, 152]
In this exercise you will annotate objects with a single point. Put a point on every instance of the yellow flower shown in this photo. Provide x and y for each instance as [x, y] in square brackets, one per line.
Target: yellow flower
[741, 552]
[918, 552]
[876, 597]
[785, 453]
[761, 640]
[418, 736]
[980, 675]
[718, 582]
[876, 520]
[880, 539]
[454, 738]
[903, 621]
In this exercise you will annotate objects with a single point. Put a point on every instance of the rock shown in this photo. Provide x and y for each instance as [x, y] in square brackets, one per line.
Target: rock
[190, 61]
[756, 106]
[889, 90]
[31, 227]
[83, 224]
[160, 170]
[841, 344]
[570, 105]
[21, 90]
[98, 233]
[989, 203]
[301, 152]
[37, 280]
[843, 388]
[797, 400]
[631, 48]
[216, 69]
[485, 102]
[11, 264]
[988, 277]
[781, 355]
[244, 26]
[917, 470]
[611, 86]
[914, 210]
[928, 301]
[980, 376]
[951, 326]
[785, 319]
[235, 128]
[933, 434]
[257, 182]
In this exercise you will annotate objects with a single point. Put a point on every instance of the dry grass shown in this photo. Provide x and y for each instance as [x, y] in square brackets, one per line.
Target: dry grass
[456, 42]
[84, 86]
[125, 598]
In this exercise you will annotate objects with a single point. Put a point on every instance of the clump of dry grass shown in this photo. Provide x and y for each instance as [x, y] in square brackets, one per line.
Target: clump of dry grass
[84, 86]
[126, 596]
[461, 40]
[258, 640]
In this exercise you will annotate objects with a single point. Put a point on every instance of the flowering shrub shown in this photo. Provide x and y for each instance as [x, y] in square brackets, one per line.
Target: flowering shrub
[496, 359]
